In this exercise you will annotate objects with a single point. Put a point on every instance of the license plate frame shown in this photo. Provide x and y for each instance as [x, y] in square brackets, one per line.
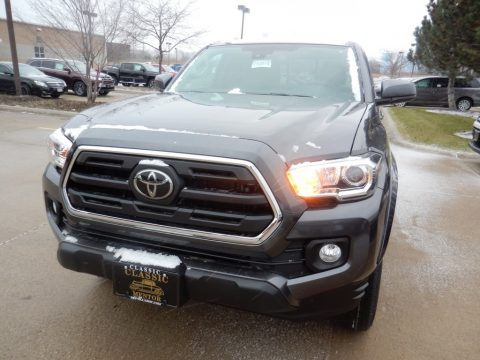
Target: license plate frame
[150, 284]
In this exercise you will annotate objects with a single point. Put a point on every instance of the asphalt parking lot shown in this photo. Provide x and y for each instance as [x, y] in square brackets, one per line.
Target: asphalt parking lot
[428, 306]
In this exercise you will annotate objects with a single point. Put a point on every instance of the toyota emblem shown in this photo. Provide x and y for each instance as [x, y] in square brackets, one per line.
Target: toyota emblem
[153, 184]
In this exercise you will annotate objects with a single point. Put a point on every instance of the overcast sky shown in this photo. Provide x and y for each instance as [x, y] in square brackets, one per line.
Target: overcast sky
[376, 25]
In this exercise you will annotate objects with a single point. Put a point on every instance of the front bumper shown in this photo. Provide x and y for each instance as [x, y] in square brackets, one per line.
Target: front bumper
[253, 288]
[475, 143]
[48, 91]
[261, 292]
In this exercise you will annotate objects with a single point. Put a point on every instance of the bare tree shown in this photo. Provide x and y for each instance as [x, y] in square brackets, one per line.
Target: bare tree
[160, 24]
[393, 63]
[83, 29]
[375, 66]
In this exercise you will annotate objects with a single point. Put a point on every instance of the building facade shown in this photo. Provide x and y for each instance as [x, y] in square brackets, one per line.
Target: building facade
[42, 41]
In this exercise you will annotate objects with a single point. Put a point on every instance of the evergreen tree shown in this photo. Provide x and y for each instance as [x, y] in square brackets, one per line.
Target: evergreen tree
[448, 39]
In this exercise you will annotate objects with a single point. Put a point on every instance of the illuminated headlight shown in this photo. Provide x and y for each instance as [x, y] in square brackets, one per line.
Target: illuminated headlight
[342, 179]
[40, 83]
[58, 147]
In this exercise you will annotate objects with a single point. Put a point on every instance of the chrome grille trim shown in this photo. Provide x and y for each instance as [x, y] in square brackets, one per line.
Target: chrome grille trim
[190, 233]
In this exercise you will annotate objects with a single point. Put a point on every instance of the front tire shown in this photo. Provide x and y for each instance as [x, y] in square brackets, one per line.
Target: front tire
[362, 317]
[464, 104]
[55, 95]
[25, 90]
[150, 83]
[79, 88]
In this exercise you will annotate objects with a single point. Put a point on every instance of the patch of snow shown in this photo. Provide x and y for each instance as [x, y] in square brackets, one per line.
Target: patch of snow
[311, 144]
[143, 257]
[473, 115]
[71, 239]
[235, 91]
[144, 128]
[155, 162]
[75, 132]
[282, 157]
[465, 134]
[295, 148]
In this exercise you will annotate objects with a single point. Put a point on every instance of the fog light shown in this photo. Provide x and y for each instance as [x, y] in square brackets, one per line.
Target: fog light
[330, 253]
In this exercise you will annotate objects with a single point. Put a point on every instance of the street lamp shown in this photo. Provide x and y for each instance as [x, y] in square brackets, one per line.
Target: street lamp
[244, 10]
[169, 47]
[400, 63]
[89, 15]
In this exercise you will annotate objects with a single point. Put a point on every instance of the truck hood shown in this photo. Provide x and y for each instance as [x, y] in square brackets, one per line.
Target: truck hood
[296, 128]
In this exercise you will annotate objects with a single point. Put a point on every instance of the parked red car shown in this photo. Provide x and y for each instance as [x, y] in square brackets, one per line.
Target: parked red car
[73, 73]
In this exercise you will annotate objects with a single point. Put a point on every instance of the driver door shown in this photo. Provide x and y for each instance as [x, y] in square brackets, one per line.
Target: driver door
[425, 93]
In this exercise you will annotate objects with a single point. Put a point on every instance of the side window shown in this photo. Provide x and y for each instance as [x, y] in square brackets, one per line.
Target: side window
[424, 84]
[48, 64]
[137, 67]
[36, 63]
[4, 70]
[474, 83]
[127, 67]
[440, 82]
[463, 83]
[59, 66]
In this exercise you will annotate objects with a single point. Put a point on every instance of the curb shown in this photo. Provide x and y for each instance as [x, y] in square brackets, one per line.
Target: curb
[398, 139]
[17, 108]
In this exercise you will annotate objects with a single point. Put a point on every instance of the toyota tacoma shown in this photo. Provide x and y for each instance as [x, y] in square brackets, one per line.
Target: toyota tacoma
[261, 179]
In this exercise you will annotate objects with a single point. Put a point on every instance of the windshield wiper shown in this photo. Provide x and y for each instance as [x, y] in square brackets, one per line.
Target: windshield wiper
[280, 94]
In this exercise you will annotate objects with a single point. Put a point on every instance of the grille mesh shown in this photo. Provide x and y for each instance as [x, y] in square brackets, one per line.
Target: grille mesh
[218, 198]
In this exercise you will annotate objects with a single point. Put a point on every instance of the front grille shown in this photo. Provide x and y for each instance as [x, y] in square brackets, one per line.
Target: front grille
[219, 198]
[55, 84]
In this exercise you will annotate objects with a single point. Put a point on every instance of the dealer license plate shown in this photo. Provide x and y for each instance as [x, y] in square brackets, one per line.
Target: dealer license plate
[150, 284]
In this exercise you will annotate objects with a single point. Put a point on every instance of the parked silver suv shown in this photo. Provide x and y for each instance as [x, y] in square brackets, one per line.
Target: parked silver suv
[432, 91]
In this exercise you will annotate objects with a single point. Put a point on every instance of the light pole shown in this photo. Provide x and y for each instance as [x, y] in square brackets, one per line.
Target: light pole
[13, 48]
[244, 10]
[169, 46]
[89, 14]
[400, 63]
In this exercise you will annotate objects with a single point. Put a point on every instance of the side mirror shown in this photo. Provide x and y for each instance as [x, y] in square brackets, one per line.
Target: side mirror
[162, 81]
[68, 70]
[395, 91]
[143, 69]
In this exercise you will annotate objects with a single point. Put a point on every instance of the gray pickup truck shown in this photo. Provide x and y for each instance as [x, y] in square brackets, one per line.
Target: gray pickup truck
[264, 185]
[133, 74]
[432, 91]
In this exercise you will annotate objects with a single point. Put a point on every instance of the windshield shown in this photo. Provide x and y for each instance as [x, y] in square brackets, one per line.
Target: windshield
[77, 66]
[149, 67]
[27, 70]
[318, 71]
